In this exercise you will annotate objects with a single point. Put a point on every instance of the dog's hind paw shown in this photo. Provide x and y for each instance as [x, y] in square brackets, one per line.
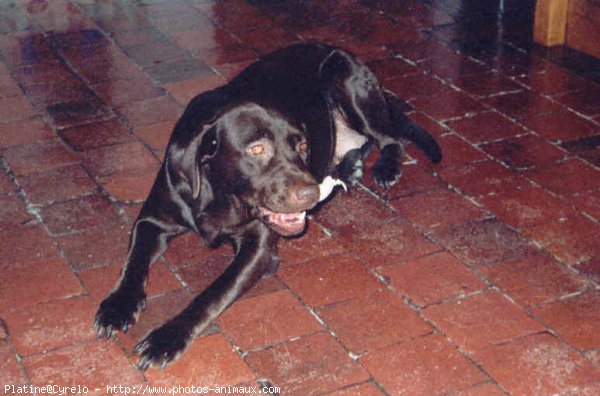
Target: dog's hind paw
[387, 170]
[117, 312]
[162, 345]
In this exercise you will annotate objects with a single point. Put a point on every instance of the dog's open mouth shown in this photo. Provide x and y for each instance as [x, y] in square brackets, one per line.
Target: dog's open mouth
[285, 223]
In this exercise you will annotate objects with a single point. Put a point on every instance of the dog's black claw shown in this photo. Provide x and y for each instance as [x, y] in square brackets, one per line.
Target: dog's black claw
[117, 312]
[162, 345]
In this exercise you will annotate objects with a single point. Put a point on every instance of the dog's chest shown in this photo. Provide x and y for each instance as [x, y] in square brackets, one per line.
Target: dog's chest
[346, 138]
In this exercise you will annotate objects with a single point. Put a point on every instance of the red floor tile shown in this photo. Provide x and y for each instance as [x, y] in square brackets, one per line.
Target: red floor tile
[427, 366]
[24, 132]
[389, 243]
[151, 111]
[574, 319]
[266, 39]
[79, 214]
[485, 389]
[15, 109]
[38, 157]
[447, 104]
[385, 69]
[568, 177]
[22, 244]
[99, 134]
[54, 278]
[50, 325]
[454, 150]
[455, 66]
[13, 210]
[12, 373]
[526, 206]
[481, 178]
[201, 274]
[95, 246]
[450, 208]
[314, 244]
[414, 180]
[358, 390]
[266, 320]
[485, 84]
[420, 50]
[533, 279]
[486, 126]
[186, 90]
[589, 268]
[190, 249]
[523, 152]
[121, 92]
[158, 311]
[384, 320]
[325, 281]
[482, 242]
[585, 101]
[352, 211]
[117, 159]
[414, 85]
[554, 81]
[89, 95]
[482, 320]
[209, 361]
[6, 184]
[59, 184]
[310, 365]
[104, 363]
[524, 104]
[432, 279]
[129, 185]
[571, 239]
[561, 125]
[537, 364]
[157, 135]
[100, 281]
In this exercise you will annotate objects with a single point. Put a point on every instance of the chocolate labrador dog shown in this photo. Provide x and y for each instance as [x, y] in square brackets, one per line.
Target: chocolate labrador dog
[244, 164]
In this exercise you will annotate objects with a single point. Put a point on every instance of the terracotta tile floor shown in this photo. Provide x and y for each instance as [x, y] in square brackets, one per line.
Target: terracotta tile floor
[477, 276]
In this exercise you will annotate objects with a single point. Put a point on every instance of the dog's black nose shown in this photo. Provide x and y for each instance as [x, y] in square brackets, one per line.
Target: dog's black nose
[306, 194]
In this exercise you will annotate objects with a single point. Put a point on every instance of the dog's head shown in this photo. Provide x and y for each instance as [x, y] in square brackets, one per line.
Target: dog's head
[258, 157]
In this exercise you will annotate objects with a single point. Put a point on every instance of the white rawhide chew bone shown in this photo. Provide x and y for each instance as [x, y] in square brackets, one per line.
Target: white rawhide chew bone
[326, 187]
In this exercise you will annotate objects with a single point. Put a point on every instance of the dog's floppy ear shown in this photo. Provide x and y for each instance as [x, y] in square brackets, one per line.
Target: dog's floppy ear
[320, 133]
[195, 140]
[201, 149]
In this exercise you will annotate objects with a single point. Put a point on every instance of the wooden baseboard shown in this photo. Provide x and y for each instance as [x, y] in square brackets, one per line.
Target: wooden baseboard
[550, 22]
[583, 27]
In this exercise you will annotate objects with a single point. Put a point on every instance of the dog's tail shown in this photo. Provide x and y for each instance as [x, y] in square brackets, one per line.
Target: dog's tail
[408, 129]
[422, 139]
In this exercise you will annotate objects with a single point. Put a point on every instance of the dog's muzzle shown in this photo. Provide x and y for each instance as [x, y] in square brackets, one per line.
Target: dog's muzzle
[304, 197]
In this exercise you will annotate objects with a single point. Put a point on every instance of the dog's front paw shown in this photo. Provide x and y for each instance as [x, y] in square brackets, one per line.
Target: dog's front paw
[117, 312]
[387, 170]
[163, 345]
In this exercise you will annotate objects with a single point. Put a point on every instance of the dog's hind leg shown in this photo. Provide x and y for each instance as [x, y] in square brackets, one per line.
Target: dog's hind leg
[375, 113]
[254, 257]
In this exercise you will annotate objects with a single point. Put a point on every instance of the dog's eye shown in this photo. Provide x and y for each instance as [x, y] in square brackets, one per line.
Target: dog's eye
[257, 149]
[302, 147]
